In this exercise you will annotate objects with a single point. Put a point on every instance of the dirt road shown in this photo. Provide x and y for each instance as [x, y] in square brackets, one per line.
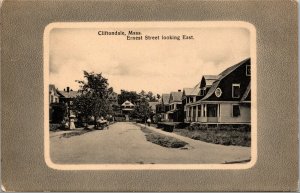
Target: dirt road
[126, 143]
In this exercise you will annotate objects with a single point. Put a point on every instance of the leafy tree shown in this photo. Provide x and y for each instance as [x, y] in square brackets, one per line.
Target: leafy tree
[131, 96]
[142, 110]
[158, 96]
[93, 100]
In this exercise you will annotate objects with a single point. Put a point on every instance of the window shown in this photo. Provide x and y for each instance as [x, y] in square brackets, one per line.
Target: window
[51, 99]
[248, 70]
[202, 92]
[199, 111]
[212, 110]
[218, 92]
[236, 110]
[235, 90]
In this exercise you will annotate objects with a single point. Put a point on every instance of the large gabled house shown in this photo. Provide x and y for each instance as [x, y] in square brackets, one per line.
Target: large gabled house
[225, 98]
[67, 97]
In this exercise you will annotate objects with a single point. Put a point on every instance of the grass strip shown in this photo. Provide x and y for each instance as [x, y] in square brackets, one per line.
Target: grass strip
[162, 140]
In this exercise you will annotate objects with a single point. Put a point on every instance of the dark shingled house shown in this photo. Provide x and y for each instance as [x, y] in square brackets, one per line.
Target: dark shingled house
[225, 98]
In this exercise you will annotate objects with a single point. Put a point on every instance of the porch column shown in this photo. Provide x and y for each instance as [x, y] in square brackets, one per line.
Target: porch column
[196, 118]
[219, 119]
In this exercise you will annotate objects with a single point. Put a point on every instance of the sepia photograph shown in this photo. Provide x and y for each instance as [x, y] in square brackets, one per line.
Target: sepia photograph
[150, 95]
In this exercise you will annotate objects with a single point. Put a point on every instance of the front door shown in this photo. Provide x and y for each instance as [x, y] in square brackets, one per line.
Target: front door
[127, 117]
[212, 113]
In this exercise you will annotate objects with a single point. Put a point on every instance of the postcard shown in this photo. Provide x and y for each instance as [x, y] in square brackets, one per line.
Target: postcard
[98, 98]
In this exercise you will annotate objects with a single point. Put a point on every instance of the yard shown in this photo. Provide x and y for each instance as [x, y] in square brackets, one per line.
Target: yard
[224, 135]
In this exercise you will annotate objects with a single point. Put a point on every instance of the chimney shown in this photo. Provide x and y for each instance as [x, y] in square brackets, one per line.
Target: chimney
[68, 89]
[179, 90]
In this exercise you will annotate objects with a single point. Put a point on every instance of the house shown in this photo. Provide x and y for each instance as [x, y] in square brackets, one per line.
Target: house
[53, 103]
[225, 98]
[114, 107]
[175, 113]
[189, 95]
[53, 95]
[152, 106]
[127, 107]
[67, 97]
[163, 107]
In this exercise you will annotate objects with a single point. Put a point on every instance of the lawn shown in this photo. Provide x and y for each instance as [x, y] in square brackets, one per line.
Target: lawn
[216, 135]
[162, 140]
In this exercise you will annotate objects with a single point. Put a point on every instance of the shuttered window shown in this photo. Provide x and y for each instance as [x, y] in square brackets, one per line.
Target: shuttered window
[236, 91]
[236, 110]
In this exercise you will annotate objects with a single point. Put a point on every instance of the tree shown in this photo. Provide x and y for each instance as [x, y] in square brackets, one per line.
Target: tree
[158, 96]
[131, 96]
[93, 99]
[141, 111]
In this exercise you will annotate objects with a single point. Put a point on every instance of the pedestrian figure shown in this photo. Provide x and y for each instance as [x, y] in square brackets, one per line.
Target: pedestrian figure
[148, 121]
[107, 124]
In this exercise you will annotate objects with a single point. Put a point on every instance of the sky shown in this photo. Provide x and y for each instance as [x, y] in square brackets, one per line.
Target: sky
[160, 66]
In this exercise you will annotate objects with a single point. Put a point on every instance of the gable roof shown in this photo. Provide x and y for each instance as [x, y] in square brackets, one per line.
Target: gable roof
[52, 87]
[70, 94]
[192, 91]
[165, 98]
[210, 79]
[176, 96]
[187, 91]
[221, 76]
[127, 103]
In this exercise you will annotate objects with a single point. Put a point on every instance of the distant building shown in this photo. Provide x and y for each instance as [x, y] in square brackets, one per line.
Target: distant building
[190, 95]
[152, 106]
[127, 107]
[163, 107]
[67, 97]
[53, 102]
[175, 113]
[223, 99]
[53, 95]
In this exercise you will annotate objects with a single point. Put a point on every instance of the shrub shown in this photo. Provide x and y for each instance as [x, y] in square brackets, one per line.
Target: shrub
[54, 127]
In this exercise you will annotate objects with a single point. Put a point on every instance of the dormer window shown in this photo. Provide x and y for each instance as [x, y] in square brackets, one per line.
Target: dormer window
[202, 92]
[248, 70]
[236, 90]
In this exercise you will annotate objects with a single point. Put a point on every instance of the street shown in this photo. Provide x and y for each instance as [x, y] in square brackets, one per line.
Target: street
[124, 142]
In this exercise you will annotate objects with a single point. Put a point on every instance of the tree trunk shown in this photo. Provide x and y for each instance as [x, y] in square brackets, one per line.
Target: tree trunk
[95, 122]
